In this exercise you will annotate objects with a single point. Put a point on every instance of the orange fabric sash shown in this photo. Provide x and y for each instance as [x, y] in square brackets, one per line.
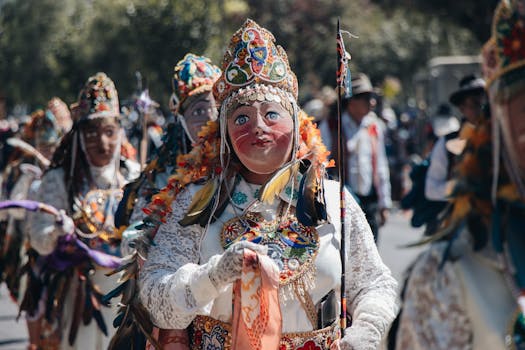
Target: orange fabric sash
[257, 320]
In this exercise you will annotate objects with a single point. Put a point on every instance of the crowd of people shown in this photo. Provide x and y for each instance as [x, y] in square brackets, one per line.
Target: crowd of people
[229, 228]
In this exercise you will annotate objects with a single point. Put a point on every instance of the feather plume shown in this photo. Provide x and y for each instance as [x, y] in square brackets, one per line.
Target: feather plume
[28, 149]
[124, 266]
[88, 308]
[439, 235]
[117, 322]
[201, 202]
[97, 315]
[308, 212]
[129, 273]
[274, 186]
[33, 293]
[202, 198]
[130, 291]
[78, 310]
[114, 293]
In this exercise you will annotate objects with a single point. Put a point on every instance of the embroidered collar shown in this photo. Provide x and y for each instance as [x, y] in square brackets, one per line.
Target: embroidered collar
[245, 193]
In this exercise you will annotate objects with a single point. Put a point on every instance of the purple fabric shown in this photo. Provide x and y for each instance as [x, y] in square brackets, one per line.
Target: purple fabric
[29, 205]
[100, 258]
[24, 204]
[70, 251]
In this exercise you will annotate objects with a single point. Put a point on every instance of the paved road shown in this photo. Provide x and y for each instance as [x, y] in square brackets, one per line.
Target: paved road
[13, 335]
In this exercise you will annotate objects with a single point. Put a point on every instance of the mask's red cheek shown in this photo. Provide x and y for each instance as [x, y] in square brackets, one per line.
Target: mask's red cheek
[240, 134]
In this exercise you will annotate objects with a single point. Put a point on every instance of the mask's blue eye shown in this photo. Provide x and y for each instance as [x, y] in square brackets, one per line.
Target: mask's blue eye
[241, 119]
[272, 116]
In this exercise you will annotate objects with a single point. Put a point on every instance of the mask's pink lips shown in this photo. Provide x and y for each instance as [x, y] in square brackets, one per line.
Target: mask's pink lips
[262, 142]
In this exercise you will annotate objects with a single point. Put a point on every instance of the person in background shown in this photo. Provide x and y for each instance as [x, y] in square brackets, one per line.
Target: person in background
[193, 104]
[84, 182]
[465, 291]
[367, 172]
[468, 99]
[20, 261]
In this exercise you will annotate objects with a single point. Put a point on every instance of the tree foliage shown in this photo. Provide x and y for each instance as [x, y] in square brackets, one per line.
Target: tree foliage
[50, 47]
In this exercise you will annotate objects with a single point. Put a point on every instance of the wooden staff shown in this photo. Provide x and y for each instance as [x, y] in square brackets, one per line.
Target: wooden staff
[343, 87]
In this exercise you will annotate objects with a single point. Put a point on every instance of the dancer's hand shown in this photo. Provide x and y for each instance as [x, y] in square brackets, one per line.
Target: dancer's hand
[65, 223]
[229, 267]
[358, 337]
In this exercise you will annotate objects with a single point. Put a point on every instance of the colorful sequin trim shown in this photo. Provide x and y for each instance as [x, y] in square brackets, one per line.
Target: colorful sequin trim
[207, 333]
[292, 246]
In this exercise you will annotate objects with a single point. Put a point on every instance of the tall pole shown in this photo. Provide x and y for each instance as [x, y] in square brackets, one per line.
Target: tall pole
[342, 88]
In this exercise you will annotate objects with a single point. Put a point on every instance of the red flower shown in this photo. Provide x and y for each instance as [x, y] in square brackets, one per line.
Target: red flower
[514, 45]
[310, 345]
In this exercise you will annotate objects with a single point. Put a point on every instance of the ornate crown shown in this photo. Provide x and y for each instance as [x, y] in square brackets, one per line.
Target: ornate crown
[253, 58]
[194, 75]
[97, 99]
[505, 50]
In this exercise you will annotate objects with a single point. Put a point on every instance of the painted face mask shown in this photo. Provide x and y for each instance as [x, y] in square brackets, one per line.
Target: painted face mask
[100, 140]
[257, 93]
[199, 110]
[261, 135]
[193, 80]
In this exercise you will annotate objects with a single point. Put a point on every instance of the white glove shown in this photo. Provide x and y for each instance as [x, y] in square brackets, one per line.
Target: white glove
[229, 266]
[65, 223]
[358, 337]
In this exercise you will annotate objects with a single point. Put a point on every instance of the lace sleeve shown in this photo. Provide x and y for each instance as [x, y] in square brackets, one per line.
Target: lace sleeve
[371, 289]
[43, 232]
[173, 287]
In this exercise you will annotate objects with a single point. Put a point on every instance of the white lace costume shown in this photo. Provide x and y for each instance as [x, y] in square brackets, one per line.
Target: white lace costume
[44, 234]
[175, 286]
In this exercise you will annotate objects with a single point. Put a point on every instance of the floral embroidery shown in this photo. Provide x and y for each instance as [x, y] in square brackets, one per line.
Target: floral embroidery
[292, 246]
[310, 345]
[214, 340]
[239, 198]
[209, 332]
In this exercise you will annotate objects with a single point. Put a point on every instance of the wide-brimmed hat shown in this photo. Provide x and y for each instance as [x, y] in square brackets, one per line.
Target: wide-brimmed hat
[469, 85]
[444, 122]
[361, 84]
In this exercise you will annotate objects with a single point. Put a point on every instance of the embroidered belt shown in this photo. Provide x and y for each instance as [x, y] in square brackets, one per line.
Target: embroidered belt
[207, 333]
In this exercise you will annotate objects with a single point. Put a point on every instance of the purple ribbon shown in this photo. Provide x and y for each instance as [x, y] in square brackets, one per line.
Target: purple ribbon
[70, 251]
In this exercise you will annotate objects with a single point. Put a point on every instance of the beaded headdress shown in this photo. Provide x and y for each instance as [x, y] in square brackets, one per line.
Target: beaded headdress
[193, 75]
[42, 129]
[503, 65]
[505, 51]
[254, 68]
[252, 59]
[97, 99]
